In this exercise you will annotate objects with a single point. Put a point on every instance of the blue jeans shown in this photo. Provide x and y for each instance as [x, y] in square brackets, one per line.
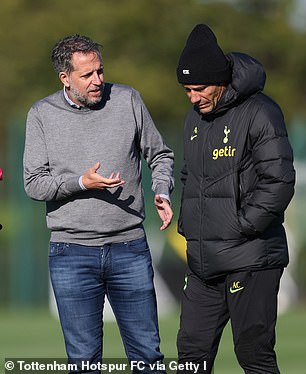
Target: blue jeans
[81, 277]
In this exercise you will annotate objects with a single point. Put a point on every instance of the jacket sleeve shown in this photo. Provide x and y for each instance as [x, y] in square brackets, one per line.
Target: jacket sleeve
[180, 227]
[273, 160]
[184, 170]
[158, 156]
[39, 183]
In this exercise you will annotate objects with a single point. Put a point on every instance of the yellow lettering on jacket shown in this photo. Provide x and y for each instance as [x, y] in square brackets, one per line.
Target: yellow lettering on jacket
[227, 151]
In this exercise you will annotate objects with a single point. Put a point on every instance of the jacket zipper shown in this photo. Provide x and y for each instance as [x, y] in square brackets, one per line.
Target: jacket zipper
[205, 132]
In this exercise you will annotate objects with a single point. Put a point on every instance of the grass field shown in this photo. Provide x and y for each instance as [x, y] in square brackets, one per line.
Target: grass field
[36, 334]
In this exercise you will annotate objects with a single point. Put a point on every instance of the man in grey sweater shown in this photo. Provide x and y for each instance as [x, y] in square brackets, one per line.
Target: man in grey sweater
[83, 157]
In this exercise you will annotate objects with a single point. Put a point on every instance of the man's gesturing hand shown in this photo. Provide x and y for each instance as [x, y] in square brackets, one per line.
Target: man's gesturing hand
[92, 180]
[164, 210]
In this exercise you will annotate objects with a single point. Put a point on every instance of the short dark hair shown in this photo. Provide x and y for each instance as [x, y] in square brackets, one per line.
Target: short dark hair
[64, 49]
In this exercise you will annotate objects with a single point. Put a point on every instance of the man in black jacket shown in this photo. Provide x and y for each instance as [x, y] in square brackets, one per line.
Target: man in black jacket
[238, 179]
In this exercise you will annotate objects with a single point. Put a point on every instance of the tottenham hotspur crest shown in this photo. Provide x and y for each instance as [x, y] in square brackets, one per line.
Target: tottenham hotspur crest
[226, 132]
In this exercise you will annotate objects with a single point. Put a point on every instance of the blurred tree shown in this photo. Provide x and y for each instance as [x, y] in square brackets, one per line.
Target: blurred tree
[142, 41]
[264, 7]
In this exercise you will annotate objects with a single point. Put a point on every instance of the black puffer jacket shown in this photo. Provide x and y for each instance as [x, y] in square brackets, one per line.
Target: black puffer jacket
[238, 179]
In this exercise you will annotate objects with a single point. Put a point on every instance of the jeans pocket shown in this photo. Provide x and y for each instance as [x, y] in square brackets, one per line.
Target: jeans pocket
[139, 245]
[57, 249]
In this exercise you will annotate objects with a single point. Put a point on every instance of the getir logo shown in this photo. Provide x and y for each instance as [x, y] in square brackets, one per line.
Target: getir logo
[227, 151]
[223, 152]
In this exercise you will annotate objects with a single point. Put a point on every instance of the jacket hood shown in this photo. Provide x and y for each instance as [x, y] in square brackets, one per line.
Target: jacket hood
[248, 77]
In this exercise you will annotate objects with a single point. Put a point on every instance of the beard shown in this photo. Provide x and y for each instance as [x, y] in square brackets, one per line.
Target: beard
[84, 99]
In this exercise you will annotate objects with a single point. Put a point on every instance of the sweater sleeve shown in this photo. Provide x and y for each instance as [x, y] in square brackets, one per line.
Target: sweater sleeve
[273, 159]
[39, 183]
[159, 157]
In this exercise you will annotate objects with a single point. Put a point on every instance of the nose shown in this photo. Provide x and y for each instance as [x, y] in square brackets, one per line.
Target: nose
[97, 78]
[194, 97]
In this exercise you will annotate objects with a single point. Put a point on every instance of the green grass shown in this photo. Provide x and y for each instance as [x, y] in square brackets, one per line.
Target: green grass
[36, 334]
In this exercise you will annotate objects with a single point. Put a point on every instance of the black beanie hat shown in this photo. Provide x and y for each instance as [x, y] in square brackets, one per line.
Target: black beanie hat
[202, 60]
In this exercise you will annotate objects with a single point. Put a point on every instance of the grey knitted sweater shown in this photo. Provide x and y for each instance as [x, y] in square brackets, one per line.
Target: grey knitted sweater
[63, 142]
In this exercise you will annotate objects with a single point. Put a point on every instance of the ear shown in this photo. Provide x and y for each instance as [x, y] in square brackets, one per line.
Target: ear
[64, 77]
